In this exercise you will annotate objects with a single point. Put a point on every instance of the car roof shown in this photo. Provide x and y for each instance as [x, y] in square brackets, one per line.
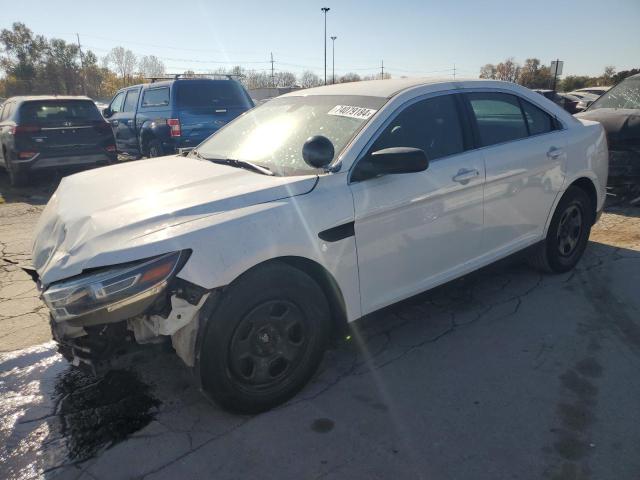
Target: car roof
[170, 81]
[391, 87]
[29, 98]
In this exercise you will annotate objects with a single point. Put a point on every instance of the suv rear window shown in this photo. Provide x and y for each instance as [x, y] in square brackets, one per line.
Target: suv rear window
[220, 94]
[59, 113]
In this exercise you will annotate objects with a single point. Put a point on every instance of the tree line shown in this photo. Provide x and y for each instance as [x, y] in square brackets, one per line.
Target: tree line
[532, 74]
[34, 64]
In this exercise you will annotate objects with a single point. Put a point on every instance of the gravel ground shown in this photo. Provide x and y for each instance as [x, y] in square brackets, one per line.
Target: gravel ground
[505, 373]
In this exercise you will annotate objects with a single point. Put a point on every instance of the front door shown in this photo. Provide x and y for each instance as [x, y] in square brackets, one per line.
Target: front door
[416, 230]
[126, 132]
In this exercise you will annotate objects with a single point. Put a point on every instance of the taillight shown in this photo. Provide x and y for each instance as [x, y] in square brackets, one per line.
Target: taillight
[174, 126]
[26, 155]
[102, 127]
[24, 129]
[110, 148]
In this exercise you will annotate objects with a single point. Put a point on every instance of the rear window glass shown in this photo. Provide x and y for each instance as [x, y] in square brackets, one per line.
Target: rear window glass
[219, 94]
[59, 113]
[156, 97]
[498, 116]
[539, 121]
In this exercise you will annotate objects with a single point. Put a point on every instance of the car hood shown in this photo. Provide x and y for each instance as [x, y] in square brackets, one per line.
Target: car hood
[621, 124]
[106, 208]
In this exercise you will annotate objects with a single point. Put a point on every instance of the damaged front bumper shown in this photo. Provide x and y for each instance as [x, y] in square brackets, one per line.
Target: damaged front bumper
[100, 334]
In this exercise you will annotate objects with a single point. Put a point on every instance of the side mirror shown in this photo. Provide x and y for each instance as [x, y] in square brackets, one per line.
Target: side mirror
[106, 112]
[391, 161]
[318, 151]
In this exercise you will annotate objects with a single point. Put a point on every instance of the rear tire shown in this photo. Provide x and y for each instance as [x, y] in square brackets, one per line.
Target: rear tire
[568, 233]
[265, 339]
[17, 178]
[155, 148]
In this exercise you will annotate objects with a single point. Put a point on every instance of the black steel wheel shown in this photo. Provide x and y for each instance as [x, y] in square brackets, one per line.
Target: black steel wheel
[265, 339]
[568, 233]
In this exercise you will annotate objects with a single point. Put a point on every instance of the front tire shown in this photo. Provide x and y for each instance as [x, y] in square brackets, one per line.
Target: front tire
[265, 339]
[568, 233]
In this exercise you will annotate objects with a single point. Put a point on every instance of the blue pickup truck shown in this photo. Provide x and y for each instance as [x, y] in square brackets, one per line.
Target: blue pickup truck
[158, 118]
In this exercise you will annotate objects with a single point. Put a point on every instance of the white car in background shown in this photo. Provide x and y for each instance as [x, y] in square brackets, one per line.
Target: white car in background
[307, 213]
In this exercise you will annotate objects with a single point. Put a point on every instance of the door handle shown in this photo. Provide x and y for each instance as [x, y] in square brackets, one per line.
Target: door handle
[464, 175]
[554, 152]
[115, 123]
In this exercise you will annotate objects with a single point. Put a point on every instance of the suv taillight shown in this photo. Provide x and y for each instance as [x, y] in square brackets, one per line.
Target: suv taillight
[24, 129]
[174, 126]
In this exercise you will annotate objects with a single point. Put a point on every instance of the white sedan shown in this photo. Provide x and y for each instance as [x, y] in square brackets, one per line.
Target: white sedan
[306, 213]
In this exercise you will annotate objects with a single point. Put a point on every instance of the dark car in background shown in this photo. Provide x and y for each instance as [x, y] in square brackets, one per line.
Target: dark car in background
[161, 117]
[52, 132]
[618, 110]
[564, 100]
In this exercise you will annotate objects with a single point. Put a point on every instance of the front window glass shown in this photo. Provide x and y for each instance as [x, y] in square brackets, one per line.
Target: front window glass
[116, 104]
[498, 116]
[273, 134]
[624, 95]
[432, 125]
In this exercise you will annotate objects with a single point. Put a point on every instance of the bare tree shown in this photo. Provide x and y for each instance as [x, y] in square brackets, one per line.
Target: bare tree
[509, 70]
[124, 62]
[349, 77]
[534, 75]
[151, 66]
[609, 73]
[488, 71]
[309, 79]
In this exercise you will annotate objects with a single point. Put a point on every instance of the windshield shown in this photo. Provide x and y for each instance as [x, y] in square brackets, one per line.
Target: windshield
[273, 134]
[624, 95]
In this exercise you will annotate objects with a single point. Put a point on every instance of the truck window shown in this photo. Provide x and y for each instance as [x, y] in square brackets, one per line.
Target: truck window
[131, 101]
[221, 94]
[156, 97]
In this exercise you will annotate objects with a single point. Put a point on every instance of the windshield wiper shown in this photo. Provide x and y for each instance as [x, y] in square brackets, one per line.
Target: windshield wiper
[232, 162]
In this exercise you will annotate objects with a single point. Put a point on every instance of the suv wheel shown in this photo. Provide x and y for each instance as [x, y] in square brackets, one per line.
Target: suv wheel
[17, 177]
[155, 148]
[265, 339]
[568, 233]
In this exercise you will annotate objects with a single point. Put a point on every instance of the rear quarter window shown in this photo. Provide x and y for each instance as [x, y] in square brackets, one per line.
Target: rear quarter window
[156, 97]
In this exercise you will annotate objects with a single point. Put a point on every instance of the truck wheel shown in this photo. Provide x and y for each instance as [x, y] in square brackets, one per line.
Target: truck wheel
[155, 148]
[17, 177]
[568, 233]
[265, 339]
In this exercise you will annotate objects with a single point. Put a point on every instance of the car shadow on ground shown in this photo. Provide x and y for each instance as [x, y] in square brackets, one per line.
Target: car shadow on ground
[57, 420]
[38, 192]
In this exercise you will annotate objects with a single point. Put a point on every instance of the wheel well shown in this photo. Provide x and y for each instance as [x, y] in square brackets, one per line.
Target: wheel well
[589, 188]
[327, 283]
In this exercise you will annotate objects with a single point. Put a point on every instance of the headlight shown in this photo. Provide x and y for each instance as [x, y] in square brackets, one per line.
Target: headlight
[111, 288]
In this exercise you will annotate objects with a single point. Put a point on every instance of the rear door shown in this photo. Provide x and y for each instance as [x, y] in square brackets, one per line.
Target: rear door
[62, 128]
[204, 106]
[524, 152]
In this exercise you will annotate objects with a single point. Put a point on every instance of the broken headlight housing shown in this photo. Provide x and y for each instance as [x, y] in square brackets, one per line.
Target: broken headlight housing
[112, 288]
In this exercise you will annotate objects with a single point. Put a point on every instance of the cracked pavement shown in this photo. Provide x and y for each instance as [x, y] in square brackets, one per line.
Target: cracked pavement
[505, 373]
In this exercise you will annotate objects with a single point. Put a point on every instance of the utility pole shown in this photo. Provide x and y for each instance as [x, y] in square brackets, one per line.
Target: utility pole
[333, 59]
[382, 70]
[454, 71]
[82, 76]
[325, 10]
[273, 81]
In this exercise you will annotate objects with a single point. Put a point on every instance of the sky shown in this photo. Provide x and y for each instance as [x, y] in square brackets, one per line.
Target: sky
[412, 37]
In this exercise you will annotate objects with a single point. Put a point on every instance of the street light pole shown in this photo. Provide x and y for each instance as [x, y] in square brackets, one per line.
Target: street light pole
[333, 59]
[325, 10]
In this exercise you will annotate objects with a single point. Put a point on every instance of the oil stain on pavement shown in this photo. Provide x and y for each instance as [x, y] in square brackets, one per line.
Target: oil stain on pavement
[58, 415]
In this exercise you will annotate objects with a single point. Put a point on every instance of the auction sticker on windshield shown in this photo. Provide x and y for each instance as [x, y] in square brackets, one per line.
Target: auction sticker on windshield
[352, 112]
